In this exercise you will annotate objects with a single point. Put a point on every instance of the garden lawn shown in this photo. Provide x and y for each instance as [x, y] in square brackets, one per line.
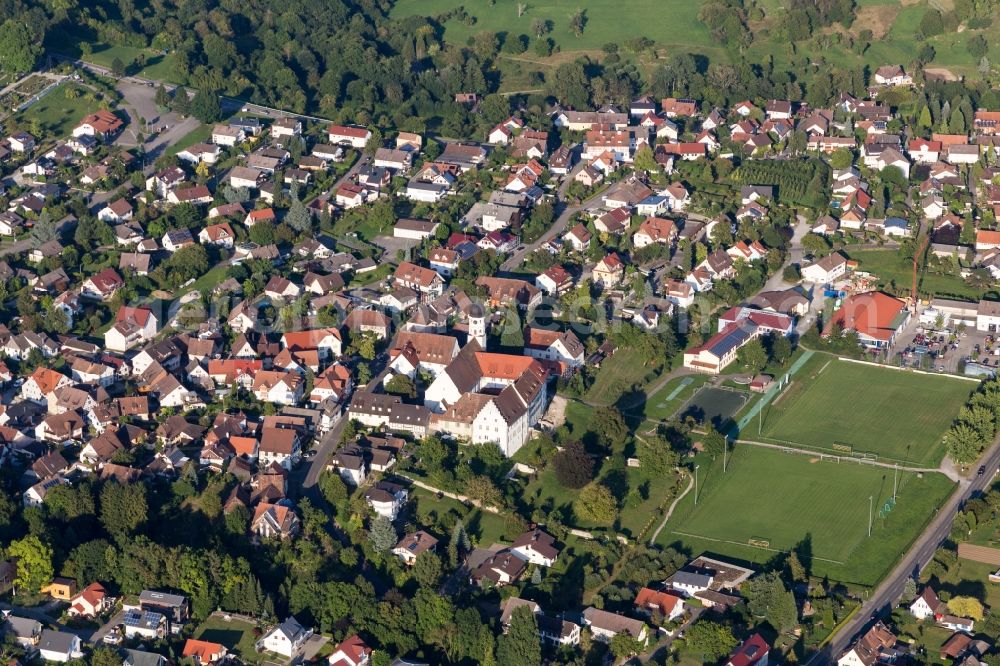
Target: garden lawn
[791, 500]
[158, 66]
[200, 134]
[667, 22]
[55, 113]
[891, 267]
[617, 374]
[235, 634]
[484, 527]
[640, 496]
[894, 414]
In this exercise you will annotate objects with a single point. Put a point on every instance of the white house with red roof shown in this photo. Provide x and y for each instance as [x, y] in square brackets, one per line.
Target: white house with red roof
[102, 285]
[116, 211]
[356, 137]
[132, 326]
[101, 125]
[90, 602]
[351, 652]
[217, 234]
[609, 271]
[924, 151]
[747, 251]
[648, 601]
[655, 230]
[554, 280]
[578, 237]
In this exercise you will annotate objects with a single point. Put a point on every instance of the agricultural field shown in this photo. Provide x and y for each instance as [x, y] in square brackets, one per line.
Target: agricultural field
[896, 415]
[820, 508]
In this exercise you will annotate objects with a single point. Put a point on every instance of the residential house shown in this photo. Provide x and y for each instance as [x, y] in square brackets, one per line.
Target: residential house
[412, 545]
[356, 137]
[925, 605]
[352, 651]
[754, 651]
[826, 270]
[203, 652]
[499, 569]
[217, 234]
[668, 606]
[605, 625]
[274, 521]
[286, 639]
[423, 280]
[892, 75]
[609, 271]
[59, 646]
[536, 547]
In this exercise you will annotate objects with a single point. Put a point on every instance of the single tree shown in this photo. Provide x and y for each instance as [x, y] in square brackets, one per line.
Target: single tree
[596, 504]
[382, 535]
[573, 466]
[427, 570]
[752, 356]
[521, 645]
[34, 563]
[710, 639]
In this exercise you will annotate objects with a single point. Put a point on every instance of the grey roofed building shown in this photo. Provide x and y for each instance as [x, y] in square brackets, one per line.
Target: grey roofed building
[57, 641]
[141, 658]
[24, 628]
[176, 604]
[691, 579]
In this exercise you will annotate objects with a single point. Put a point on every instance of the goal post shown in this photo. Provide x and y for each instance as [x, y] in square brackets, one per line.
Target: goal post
[757, 542]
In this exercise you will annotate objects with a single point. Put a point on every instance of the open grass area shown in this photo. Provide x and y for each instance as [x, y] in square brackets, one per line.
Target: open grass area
[439, 514]
[235, 634]
[891, 268]
[56, 114]
[617, 374]
[200, 134]
[147, 63]
[667, 400]
[640, 492]
[667, 22]
[817, 507]
[895, 414]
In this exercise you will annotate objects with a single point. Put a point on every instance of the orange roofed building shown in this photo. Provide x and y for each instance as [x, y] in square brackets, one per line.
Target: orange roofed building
[874, 316]
[203, 652]
[484, 397]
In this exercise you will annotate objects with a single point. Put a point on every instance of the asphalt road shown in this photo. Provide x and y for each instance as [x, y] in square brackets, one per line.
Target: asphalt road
[888, 593]
[565, 214]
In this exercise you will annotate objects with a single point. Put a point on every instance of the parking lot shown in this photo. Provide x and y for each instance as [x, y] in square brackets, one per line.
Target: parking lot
[924, 348]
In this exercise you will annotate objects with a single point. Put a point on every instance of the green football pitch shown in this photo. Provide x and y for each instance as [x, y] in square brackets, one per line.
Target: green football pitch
[783, 501]
[833, 406]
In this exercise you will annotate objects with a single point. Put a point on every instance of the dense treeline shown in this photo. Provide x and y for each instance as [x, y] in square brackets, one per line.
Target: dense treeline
[347, 60]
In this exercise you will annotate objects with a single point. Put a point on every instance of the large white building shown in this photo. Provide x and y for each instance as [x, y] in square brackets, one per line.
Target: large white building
[484, 397]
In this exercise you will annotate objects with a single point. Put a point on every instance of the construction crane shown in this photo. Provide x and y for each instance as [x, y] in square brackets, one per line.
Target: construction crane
[916, 260]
